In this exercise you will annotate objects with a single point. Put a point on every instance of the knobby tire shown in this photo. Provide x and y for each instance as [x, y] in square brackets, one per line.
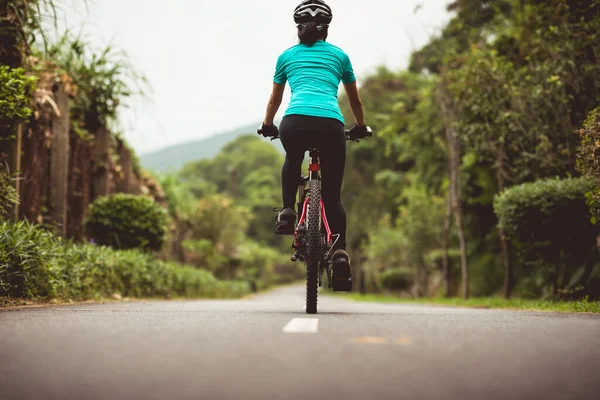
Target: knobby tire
[313, 245]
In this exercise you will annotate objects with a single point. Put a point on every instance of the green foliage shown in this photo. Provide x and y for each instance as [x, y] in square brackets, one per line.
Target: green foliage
[226, 205]
[517, 76]
[88, 271]
[104, 77]
[8, 194]
[16, 89]
[473, 22]
[416, 233]
[421, 221]
[263, 266]
[587, 160]
[125, 221]
[219, 220]
[548, 224]
[248, 171]
[397, 278]
[180, 200]
[258, 264]
[26, 253]
[408, 147]
[35, 264]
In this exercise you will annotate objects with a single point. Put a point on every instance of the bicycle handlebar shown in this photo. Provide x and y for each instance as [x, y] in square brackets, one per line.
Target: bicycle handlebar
[364, 132]
[349, 133]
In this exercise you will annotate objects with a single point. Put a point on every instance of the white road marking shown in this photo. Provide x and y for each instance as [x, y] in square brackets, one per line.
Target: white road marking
[302, 325]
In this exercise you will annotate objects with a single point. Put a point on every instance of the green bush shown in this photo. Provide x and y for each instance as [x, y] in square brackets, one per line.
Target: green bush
[257, 264]
[8, 194]
[125, 221]
[26, 253]
[397, 278]
[548, 225]
[36, 264]
[89, 271]
[587, 160]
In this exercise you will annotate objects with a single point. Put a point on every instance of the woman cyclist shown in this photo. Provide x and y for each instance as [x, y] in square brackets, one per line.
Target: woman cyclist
[314, 69]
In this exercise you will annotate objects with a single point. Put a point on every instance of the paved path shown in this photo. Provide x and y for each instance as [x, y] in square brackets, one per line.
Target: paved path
[257, 349]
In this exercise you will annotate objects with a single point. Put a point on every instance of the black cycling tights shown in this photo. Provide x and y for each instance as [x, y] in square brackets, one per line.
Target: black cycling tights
[300, 133]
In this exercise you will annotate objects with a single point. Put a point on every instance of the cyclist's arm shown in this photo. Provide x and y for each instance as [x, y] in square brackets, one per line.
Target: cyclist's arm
[355, 103]
[274, 102]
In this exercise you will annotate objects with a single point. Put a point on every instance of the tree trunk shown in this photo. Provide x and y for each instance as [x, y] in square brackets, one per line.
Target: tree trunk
[125, 161]
[101, 158]
[59, 163]
[446, 239]
[463, 252]
[508, 274]
[455, 160]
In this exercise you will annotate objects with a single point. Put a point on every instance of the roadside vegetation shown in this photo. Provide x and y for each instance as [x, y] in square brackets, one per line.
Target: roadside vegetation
[35, 264]
[574, 306]
[472, 184]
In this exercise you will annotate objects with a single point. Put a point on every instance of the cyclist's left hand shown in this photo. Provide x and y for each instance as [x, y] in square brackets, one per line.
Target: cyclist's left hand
[359, 132]
[268, 131]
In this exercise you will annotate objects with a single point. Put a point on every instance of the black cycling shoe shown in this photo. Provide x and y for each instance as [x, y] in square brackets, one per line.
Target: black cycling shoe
[285, 222]
[342, 279]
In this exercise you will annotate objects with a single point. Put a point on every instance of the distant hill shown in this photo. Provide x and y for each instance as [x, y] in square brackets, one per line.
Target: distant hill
[174, 157]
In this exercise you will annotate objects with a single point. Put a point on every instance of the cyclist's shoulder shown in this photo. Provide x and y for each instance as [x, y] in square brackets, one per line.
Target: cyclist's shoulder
[333, 47]
[289, 52]
[336, 50]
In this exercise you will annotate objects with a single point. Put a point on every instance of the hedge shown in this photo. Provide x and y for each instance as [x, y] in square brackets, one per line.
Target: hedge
[397, 278]
[36, 264]
[554, 241]
[587, 160]
[126, 221]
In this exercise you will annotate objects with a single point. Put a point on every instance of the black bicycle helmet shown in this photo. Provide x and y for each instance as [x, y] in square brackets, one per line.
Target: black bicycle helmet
[313, 10]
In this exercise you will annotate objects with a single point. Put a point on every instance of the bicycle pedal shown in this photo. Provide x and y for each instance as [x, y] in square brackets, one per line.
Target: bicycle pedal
[297, 256]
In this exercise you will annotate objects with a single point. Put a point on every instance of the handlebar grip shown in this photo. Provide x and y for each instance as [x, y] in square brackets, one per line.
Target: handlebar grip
[367, 133]
[272, 133]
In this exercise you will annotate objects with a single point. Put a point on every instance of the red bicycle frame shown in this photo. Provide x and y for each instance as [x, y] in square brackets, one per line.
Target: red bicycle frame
[323, 217]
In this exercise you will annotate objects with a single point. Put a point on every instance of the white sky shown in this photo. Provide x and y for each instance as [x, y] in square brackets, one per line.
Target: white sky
[211, 62]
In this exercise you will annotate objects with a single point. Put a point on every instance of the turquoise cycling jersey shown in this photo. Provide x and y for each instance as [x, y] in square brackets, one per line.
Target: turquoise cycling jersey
[314, 73]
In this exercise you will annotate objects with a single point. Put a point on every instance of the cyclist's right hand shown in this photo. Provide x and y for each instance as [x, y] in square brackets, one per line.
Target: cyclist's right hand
[268, 131]
[359, 132]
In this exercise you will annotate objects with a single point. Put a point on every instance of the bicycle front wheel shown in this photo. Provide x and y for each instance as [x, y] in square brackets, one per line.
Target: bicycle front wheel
[313, 245]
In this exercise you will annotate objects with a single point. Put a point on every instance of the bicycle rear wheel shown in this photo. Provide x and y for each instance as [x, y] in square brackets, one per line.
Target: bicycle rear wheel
[313, 245]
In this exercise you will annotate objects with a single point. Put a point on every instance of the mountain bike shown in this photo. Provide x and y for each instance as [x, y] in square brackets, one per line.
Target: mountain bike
[313, 239]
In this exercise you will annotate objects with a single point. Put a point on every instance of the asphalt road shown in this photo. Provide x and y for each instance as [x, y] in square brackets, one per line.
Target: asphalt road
[257, 349]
